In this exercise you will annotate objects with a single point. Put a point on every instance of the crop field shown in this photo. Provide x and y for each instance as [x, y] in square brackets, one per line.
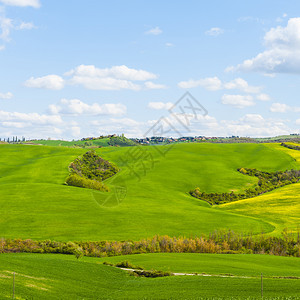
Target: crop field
[43, 276]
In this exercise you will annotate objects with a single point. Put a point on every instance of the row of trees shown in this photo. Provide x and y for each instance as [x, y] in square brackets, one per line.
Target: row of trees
[267, 181]
[288, 244]
[14, 139]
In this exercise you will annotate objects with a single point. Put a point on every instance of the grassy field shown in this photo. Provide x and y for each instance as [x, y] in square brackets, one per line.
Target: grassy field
[42, 276]
[251, 265]
[143, 202]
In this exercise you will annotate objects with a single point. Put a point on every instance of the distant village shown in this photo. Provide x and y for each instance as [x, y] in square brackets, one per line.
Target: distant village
[154, 140]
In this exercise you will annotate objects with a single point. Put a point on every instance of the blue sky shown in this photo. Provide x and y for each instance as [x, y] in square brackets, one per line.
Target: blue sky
[70, 69]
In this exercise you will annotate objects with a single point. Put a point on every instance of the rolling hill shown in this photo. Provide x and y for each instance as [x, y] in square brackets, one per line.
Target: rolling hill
[148, 196]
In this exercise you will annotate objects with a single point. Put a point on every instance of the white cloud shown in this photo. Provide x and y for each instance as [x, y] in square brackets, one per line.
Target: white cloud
[154, 86]
[114, 78]
[51, 82]
[298, 122]
[6, 95]
[210, 83]
[241, 84]
[263, 97]
[282, 54]
[32, 118]
[279, 107]
[239, 101]
[160, 105]
[254, 119]
[169, 44]
[22, 3]
[75, 131]
[154, 31]
[117, 72]
[214, 31]
[77, 107]
[6, 25]
[25, 26]
[215, 84]
[109, 83]
[90, 77]
[255, 125]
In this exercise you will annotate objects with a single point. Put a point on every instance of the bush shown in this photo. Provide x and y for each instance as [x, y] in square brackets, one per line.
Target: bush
[76, 180]
[128, 265]
[151, 274]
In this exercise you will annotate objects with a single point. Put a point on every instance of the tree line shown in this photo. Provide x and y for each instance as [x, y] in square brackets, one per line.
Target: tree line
[293, 147]
[222, 242]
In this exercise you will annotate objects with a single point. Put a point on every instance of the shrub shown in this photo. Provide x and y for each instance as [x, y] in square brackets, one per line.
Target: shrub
[151, 274]
[128, 265]
[76, 180]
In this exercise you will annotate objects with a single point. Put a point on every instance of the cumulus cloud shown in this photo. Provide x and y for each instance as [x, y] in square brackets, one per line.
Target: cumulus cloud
[215, 84]
[283, 108]
[256, 126]
[263, 97]
[154, 86]
[239, 101]
[241, 84]
[77, 107]
[50, 82]
[32, 118]
[118, 72]
[109, 84]
[282, 54]
[214, 31]
[6, 95]
[154, 31]
[160, 105]
[279, 107]
[22, 3]
[210, 83]
[90, 77]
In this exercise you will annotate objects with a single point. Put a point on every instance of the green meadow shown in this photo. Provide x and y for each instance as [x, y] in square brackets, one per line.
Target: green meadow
[148, 196]
[46, 276]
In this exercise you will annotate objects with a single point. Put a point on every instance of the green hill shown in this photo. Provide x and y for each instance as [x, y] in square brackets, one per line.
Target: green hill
[148, 196]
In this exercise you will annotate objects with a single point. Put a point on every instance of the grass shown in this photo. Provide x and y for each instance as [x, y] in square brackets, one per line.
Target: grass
[63, 277]
[143, 202]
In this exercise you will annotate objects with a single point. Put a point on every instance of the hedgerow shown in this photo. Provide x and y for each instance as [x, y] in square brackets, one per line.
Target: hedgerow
[226, 242]
[267, 181]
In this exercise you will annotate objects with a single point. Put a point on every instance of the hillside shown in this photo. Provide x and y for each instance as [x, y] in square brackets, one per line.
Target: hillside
[143, 202]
